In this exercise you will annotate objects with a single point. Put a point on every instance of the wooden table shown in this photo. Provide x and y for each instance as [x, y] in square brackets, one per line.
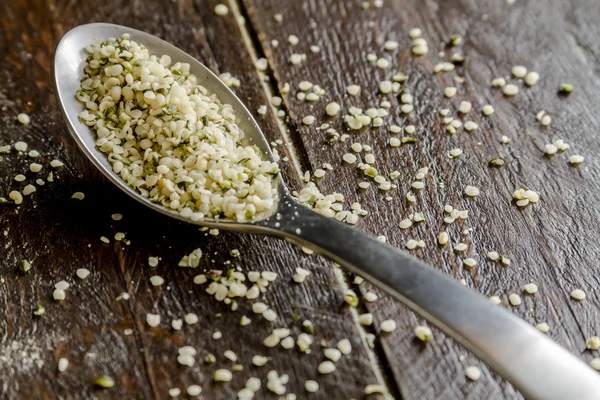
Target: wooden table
[553, 244]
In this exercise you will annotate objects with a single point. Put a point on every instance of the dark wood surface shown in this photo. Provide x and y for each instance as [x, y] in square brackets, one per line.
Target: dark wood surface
[553, 244]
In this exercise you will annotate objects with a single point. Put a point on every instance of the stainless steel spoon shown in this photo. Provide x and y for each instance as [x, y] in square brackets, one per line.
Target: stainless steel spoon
[534, 364]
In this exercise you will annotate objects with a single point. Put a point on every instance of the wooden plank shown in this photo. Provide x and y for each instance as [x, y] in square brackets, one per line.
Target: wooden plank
[58, 235]
[553, 244]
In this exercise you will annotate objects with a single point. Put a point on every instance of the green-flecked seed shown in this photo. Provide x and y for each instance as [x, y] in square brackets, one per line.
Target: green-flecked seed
[496, 162]
[24, 265]
[104, 381]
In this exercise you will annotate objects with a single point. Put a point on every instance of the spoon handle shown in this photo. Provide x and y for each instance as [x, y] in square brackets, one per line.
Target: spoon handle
[533, 363]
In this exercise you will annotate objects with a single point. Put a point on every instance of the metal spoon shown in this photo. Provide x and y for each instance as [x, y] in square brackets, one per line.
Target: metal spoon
[534, 364]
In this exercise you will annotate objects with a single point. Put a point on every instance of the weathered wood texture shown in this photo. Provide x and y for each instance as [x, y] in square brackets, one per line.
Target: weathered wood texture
[59, 235]
[553, 244]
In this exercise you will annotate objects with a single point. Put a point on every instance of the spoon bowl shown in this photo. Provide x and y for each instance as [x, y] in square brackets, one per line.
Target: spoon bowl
[69, 61]
[537, 366]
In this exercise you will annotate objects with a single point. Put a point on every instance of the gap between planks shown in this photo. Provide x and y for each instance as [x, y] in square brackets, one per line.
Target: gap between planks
[270, 92]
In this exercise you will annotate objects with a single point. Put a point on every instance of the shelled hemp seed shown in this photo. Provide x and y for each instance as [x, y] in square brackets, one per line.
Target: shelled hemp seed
[170, 139]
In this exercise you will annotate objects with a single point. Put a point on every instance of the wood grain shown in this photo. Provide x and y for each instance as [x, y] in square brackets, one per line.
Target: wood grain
[58, 235]
[553, 244]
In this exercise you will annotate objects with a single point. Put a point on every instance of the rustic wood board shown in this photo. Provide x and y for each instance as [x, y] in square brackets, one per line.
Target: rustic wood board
[552, 244]
[59, 235]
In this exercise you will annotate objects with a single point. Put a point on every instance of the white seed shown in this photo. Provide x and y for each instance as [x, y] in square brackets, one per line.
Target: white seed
[498, 82]
[450, 92]
[510, 90]
[530, 288]
[153, 319]
[465, 107]
[519, 71]
[353, 90]
[460, 247]
[595, 363]
[259, 361]
[24, 119]
[177, 324]
[382, 63]
[473, 373]
[293, 40]
[390, 45]
[469, 262]
[262, 110]
[59, 294]
[344, 346]
[454, 153]
[423, 333]
[63, 364]
[470, 126]
[385, 87]
[578, 294]
[221, 9]
[495, 300]
[493, 255]
[27, 190]
[532, 78]
[308, 120]
[333, 354]
[471, 191]
[191, 319]
[311, 386]
[542, 327]
[389, 325]
[514, 299]
[487, 110]
[414, 33]
[546, 120]
[261, 64]
[156, 280]
[370, 297]
[550, 149]
[186, 359]
[194, 390]
[326, 367]
[287, 343]
[35, 167]
[349, 158]
[82, 273]
[443, 238]
[576, 159]
[332, 109]
[365, 319]
[593, 343]
[222, 375]
[272, 340]
[21, 146]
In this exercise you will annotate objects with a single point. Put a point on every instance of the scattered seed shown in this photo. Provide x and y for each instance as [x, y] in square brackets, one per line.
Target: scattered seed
[221, 9]
[578, 294]
[423, 333]
[514, 299]
[473, 373]
[542, 327]
[576, 159]
[389, 325]
[326, 367]
[24, 119]
[104, 381]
